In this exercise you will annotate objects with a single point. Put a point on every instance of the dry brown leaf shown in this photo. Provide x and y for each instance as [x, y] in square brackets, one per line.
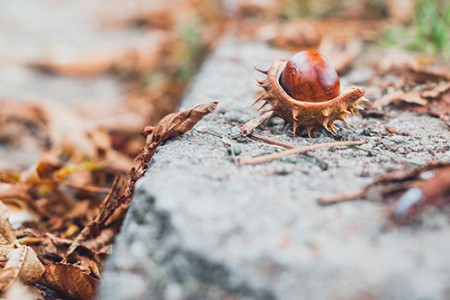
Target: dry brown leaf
[175, 124]
[109, 205]
[437, 91]
[398, 97]
[420, 73]
[70, 281]
[22, 263]
[172, 125]
[7, 235]
[105, 238]
[432, 98]
[440, 109]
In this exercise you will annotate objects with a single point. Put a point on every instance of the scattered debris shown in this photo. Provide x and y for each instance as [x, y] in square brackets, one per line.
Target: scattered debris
[412, 190]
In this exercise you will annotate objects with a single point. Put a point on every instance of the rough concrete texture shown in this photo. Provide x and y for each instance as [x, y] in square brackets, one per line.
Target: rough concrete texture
[202, 227]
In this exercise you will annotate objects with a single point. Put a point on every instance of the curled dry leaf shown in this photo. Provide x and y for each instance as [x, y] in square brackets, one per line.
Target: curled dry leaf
[99, 222]
[23, 263]
[70, 281]
[7, 235]
[172, 125]
[175, 124]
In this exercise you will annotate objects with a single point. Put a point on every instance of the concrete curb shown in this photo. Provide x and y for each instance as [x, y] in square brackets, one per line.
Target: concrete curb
[201, 227]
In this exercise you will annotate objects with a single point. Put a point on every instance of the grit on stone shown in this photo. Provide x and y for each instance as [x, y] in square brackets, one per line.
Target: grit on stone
[202, 227]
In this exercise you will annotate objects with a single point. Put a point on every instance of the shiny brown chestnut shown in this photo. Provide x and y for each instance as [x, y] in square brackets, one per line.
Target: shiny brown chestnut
[309, 76]
[305, 92]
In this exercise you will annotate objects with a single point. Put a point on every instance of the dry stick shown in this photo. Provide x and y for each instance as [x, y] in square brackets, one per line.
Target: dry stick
[342, 198]
[84, 188]
[270, 141]
[248, 127]
[363, 192]
[270, 157]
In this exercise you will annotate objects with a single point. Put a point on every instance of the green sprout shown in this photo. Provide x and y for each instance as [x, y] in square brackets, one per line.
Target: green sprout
[430, 32]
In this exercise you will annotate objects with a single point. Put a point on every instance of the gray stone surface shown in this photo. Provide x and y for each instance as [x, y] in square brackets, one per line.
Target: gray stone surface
[201, 227]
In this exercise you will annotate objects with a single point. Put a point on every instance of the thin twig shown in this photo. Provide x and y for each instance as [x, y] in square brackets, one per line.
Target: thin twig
[270, 157]
[342, 198]
[84, 188]
[394, 187]
[248, 127]
[271, 141]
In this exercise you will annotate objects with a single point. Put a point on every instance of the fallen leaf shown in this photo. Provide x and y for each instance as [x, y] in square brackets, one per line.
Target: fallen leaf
[22, 263]
[398, 97]
[175, 124]
[433, 98]
[70, 281]
[7, 235]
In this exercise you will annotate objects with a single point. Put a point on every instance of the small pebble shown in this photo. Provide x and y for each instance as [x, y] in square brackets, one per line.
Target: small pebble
[392, 130]
[369, 132]
[364, 173]
[234, 149]
[392, 148]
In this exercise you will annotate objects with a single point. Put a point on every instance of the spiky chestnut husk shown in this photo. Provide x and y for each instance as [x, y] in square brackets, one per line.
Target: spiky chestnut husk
[302, 114]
